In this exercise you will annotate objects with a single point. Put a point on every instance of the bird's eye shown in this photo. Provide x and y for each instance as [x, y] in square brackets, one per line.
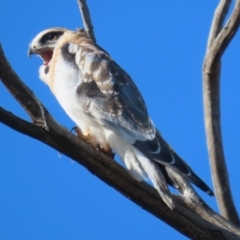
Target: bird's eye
[51, 37]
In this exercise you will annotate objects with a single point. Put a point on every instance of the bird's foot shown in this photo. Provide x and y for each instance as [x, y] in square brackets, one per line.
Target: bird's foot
[93, 142]
[107, 152]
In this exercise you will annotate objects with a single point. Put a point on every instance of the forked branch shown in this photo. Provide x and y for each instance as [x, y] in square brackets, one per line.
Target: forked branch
[219, 38]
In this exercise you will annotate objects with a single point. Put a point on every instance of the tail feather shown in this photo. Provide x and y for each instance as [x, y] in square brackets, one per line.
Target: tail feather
[159, 151]
[154, 173]
[193, 177]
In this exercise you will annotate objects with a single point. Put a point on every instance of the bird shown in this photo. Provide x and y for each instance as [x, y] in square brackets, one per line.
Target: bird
[107, 107]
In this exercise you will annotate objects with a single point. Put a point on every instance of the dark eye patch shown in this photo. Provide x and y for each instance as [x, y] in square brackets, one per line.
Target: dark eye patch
[51, 36]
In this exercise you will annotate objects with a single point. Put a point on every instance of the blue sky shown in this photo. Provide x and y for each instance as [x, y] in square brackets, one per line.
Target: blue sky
[161, 44]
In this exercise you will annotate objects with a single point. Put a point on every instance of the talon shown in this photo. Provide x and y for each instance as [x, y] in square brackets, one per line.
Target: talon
[107, 152]
[98, 147]
[92, 141]
[79, 133]
[73, 129]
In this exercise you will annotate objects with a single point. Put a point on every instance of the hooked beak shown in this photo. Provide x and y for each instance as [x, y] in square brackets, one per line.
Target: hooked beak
[30, 52]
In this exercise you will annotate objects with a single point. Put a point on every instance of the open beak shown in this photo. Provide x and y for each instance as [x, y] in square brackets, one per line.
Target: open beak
[45, 53]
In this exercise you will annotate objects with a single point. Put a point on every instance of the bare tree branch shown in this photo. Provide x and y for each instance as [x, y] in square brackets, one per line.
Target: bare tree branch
[218, 20]
[28, 101]
[116, 176]
[217, 44]
[87, 23]
[192, 201]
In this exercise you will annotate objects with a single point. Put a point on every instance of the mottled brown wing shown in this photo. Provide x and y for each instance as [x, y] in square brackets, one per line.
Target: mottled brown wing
[108, 94]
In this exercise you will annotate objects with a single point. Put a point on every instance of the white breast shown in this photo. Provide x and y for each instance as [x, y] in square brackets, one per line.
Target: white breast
[66, 78]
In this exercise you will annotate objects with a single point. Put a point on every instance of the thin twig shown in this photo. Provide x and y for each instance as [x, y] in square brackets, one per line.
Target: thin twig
[222, 40]
[87, 23]
[217, 44]
[218, 20]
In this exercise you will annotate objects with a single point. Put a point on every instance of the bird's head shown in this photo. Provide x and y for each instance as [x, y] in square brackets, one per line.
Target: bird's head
[44, 43]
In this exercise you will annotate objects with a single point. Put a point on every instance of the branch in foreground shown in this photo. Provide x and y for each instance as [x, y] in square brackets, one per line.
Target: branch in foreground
[116, 176]
[217, 44]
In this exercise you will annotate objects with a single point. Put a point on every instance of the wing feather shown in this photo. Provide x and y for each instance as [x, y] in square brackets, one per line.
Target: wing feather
[111, 97]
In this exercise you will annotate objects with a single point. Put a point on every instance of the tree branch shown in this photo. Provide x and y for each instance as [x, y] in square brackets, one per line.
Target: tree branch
[116, 176]
[21, 92]
[218, 20]
[218, 41]
[87, 23]
[192, 201]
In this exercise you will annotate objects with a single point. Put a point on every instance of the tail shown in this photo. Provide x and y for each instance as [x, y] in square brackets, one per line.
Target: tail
[158, 150]
[193, 177]
[142, 168]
